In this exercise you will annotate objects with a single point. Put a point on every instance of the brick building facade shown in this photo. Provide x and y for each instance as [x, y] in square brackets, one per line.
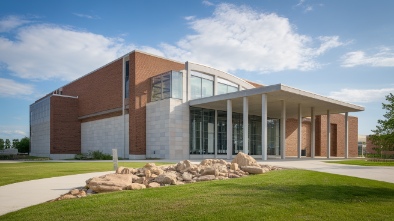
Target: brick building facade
[117, 106]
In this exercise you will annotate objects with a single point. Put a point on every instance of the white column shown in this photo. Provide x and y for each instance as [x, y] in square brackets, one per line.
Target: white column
[229, 129]
[313, 132]
[216, 134]
[299, 134]
[346, 135]
[264, 130]
[283, 131]
[328, 134]
[245, 125]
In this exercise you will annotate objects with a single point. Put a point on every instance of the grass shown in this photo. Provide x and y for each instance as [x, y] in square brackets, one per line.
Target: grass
[277, 195]
[363, 162]
[18, 172]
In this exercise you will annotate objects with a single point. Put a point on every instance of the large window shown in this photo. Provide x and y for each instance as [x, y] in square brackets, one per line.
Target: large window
[225, 86]
[167, 85]
[201, 85]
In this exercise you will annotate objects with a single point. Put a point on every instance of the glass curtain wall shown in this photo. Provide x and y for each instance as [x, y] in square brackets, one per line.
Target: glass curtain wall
[202, 131]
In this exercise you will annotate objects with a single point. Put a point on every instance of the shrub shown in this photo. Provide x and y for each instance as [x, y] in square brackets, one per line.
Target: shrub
[93, 155]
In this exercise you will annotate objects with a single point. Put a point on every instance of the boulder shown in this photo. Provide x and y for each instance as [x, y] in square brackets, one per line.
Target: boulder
[109, 182]
[206, 178]
[183, 165]
[153, 185]
[254, 169]
[149, 165]
[234, 166]
[208, 171]
[244, 160]
[187, 176]
[166, 178]
[136, 186]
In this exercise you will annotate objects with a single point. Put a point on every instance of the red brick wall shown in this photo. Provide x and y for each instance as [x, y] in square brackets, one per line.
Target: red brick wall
[142, 68]
[291, 137]
[98, 91]
[65, 128]
[339, 121]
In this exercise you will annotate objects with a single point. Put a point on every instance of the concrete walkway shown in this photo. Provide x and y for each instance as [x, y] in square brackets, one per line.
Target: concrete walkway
[24, 194]
[20, 195]
[385, 174]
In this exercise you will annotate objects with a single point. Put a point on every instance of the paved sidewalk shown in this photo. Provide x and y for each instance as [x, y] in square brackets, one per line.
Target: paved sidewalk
[24, 194]
[368, 172]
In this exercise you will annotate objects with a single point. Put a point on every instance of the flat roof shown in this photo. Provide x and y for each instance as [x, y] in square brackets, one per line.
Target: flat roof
[275, 94]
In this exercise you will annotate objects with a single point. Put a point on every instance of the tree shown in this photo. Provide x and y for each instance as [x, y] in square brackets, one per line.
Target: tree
[15, 143]
[23, 145]
[7, 144]
[383, 136]
[1, 144]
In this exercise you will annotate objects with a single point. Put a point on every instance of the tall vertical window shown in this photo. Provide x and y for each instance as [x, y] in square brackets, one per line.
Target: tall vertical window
[127, 81]
[167, 85]
[201, 85]
[202, 131]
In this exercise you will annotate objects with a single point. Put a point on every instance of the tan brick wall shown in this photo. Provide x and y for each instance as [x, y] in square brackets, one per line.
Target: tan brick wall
[65, 128]
[145, 66]
[339, 121]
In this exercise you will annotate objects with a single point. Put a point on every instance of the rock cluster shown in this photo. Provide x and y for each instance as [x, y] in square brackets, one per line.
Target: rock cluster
[152, 176]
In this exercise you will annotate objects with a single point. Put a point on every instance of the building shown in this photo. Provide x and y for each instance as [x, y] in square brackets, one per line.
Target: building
[146, 106]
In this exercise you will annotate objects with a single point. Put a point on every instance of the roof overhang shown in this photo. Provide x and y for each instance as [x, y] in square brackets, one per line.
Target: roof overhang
[275, 94]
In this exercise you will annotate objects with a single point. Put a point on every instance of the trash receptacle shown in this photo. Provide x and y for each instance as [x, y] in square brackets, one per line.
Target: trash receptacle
[303, 153]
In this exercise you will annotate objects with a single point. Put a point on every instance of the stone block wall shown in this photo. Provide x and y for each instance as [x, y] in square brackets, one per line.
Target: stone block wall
[167, 134]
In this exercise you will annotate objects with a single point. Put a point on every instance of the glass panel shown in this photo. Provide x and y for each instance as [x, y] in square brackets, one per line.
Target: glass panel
[231, 89]
[156, 88]
[273, 137]
[202, 75]
[226, 82]
[166, 79]
[195, 131]
[237, 133]
[207, 88]
[222, 89]
[127, 76]
[195, 84]
[209, 131]
[222, 132]
[177, 84]
[254, 135]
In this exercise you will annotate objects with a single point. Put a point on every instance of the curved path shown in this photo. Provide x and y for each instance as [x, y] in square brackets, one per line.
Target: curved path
[24, 194]
[20, 195]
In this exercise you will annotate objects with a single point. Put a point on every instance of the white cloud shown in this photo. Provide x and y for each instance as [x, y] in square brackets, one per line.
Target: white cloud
[383, 58]
[207, 3]
[87, 16]
[189, 18]
[46, 52]
[239, 38]
[10, 88]
[361, 95]
[12, 22]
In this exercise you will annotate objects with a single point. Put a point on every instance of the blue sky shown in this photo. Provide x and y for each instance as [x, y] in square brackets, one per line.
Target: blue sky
[340, 49]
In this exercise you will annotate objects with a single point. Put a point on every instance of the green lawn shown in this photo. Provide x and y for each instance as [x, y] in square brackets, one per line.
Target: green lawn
[17, 172]
[277, 195]
[363, 162]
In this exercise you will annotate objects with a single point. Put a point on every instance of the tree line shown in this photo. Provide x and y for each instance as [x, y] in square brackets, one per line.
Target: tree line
[22, 145]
